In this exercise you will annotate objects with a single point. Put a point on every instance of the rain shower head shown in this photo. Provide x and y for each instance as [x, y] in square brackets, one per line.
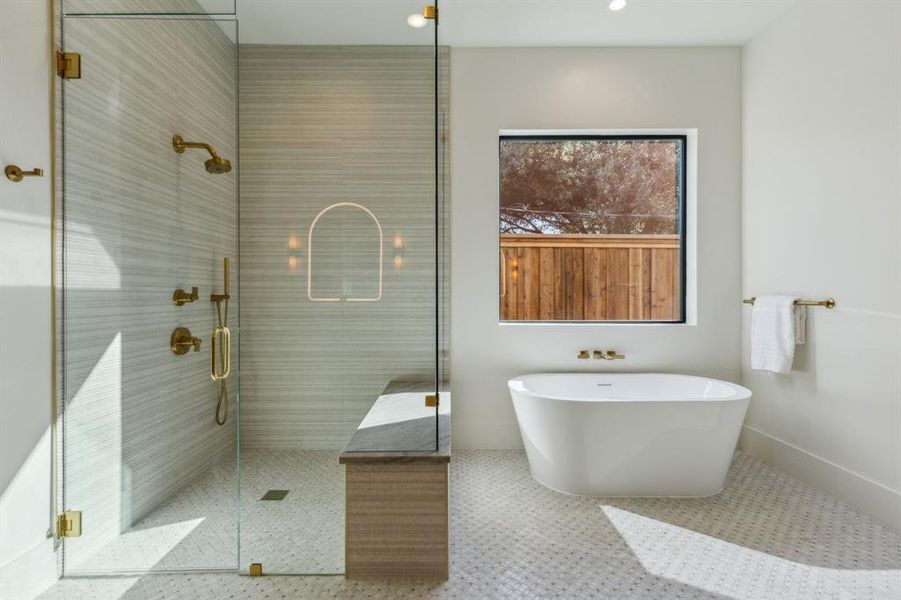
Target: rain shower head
[215, 165]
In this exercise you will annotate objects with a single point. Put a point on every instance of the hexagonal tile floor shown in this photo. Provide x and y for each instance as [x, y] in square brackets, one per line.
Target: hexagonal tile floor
[766, 536]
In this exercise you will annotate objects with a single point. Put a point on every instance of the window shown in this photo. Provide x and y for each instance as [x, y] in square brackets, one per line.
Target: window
[592, 228]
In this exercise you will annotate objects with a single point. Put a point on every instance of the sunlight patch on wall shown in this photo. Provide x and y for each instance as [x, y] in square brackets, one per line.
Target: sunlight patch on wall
[96, 267]
[93, 478]
[19, 230]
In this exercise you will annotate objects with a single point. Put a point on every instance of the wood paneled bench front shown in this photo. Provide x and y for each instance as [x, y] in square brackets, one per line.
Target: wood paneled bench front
[396, 487]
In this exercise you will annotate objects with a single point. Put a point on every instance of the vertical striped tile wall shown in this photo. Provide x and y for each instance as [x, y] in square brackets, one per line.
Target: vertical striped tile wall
[139, 221]
[319, 126]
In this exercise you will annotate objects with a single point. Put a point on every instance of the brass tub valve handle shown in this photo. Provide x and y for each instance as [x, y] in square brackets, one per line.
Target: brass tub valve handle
[583, 354]
[612, 355]
[182, 341]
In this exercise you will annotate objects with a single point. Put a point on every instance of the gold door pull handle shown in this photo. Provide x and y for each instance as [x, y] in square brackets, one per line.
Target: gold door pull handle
[16, 174]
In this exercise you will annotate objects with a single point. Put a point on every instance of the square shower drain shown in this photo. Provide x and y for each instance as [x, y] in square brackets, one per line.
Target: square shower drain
[275, 495]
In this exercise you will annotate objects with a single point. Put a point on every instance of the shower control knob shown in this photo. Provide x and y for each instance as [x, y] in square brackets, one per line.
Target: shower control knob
[181, 297]
[182, 341]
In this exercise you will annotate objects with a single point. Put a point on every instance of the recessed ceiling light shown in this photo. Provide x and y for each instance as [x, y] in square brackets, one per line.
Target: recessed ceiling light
[617, 4]
[417, 21]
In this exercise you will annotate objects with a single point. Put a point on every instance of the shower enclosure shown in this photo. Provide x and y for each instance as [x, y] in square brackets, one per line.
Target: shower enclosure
[219, 344]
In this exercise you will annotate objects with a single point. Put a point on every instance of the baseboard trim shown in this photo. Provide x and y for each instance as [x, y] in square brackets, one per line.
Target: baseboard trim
[868, 496]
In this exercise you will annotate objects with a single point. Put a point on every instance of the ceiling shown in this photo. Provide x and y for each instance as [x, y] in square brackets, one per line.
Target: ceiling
[508, 22]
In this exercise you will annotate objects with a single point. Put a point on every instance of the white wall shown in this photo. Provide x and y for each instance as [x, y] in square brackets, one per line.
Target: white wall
[586, 88]
[822, 217]
[27, 562]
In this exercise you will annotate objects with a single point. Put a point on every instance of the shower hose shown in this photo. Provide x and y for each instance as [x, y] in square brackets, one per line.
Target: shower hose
[222, 400]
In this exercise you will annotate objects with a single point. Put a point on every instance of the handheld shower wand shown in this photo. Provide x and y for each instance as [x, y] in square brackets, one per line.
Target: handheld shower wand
[221, 346]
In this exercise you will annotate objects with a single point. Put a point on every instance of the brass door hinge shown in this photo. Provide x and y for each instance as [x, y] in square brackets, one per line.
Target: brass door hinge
[431, 401]
[256, 569]
[69, 524]
[68, 65]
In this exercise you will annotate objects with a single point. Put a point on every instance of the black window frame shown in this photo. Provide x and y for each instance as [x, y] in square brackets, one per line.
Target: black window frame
[681, 216]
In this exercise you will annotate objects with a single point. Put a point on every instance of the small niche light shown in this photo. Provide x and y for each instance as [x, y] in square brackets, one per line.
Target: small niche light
[398, 261]
[398, 242]
[292, 263]
[417, 21]
[616, 5]
[293, 243]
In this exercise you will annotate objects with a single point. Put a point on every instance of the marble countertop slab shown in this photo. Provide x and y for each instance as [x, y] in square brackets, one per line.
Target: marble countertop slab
[400, 428]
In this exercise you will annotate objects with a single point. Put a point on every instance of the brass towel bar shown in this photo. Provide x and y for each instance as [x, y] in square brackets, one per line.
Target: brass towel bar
[828, 302]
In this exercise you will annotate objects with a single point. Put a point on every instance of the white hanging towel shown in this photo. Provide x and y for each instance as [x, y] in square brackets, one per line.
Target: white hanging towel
[776, 326]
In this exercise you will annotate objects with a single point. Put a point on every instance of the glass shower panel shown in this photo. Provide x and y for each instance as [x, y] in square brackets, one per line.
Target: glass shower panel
[144, 459]
[340, 250]
[148, 7]
[388, 155]
[442, 231]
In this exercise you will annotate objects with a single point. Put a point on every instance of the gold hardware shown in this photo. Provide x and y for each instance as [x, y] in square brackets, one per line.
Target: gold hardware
[68, 524]
[599, 354]
[16, 174]
[256, 569]
[583, 354]
[68, 65]
[182, 341]
[215, 165]
[181, 297]
[828, 302]
[222, 347]
[222, 338]
[431, 400]
[225, 283]
[612, 355]
[430, 11]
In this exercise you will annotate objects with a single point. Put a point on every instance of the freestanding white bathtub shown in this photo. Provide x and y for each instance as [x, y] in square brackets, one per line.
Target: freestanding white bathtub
[643, 434]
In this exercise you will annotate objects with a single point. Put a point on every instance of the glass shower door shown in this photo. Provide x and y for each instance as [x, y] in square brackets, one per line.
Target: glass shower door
[341, 233]
[143, 227]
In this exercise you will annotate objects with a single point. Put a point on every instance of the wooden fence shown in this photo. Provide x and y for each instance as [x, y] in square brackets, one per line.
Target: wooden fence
[590, 278]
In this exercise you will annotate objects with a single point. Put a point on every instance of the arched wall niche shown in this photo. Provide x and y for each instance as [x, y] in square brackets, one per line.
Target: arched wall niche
[339, 273]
